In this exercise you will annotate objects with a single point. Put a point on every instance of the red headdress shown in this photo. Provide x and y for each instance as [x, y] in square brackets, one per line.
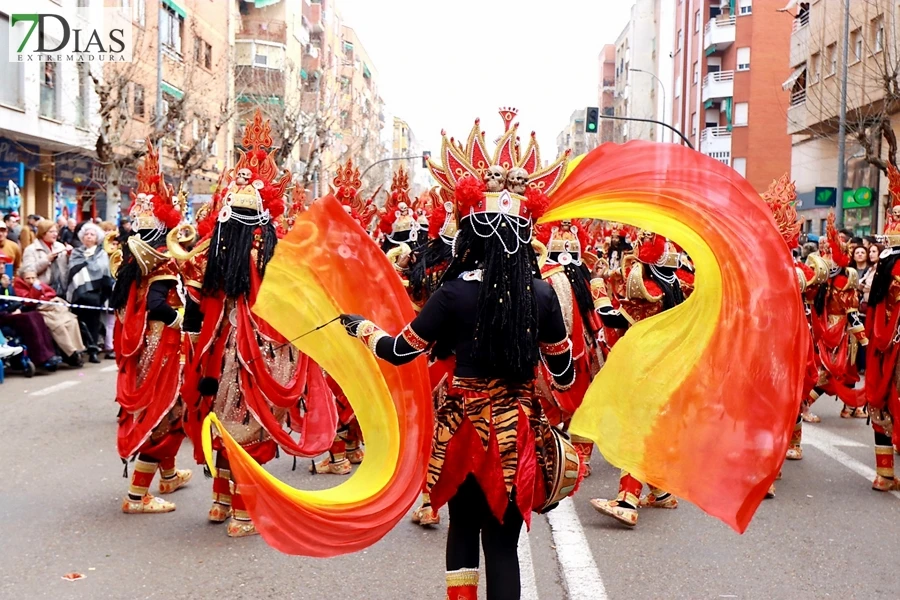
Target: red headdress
[781, 198]
[345, 187]
[442, 216]
[398, 221]
[836, 248]
[154, 206]
[509, 182]
[892, 222]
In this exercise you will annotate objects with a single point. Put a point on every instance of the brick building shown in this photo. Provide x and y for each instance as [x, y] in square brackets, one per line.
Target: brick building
[728, 76]
[606, 91]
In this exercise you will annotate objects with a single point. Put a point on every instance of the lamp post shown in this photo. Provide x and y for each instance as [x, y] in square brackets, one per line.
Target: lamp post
[842, 123]
[663, 88]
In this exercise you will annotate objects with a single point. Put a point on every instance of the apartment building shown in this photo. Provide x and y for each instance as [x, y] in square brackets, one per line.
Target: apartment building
[729, 71]
[606, 91]
[815, 91]
[642, 68]
[574, 138]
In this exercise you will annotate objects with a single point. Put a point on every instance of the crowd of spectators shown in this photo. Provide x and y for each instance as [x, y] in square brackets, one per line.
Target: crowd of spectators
[55, 283]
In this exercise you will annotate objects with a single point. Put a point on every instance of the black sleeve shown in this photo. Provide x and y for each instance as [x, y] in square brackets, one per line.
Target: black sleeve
[193, 318]
[556, 348]
[158, 308]
[420, 334]
[611, 317]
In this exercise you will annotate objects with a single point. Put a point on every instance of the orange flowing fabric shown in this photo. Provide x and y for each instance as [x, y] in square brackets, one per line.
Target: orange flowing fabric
[325, 266]
[701, 399]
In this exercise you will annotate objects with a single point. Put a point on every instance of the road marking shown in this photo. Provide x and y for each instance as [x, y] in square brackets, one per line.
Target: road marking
[526, 567]
[109, 369]
[580, 572]
[54, 388]
[827, 443]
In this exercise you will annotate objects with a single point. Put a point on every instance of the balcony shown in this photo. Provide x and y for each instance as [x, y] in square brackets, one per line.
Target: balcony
[263, 30]
[609, 84]
[718, 34]
[717, 86]
[315, 18]
[716, 143]
[260, 81]
[798, 117]
[800, 43]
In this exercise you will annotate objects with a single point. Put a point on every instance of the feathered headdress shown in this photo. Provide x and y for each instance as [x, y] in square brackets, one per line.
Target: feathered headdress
[781, 199]
[892, 222]
[345, 187]
[836, 248]
[154, 206]
[398, 221]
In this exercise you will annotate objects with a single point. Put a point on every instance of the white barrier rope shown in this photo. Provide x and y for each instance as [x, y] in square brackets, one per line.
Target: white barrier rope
[54, 302]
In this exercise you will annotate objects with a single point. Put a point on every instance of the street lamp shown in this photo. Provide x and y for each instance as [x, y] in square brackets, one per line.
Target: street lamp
[663, 88]
[842, 122]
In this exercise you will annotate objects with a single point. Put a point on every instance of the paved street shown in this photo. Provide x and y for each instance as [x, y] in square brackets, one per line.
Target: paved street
[826, 535]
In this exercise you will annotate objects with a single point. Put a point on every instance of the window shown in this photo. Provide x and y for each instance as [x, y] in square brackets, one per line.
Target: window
[12, 74]
[877, 27]
[207, 55]
[83, 97]
[740, 165]
[816, 67]
[138, 101]
[198, 49]
[678, 87]
[743, 59]
[679, 40]
[745, 7]
[856, 42]
[696, 75]
[697, 22]
[49, 89]
[823, 225]
[140, 12]
[741, 114]
[831, 58]
[693, 123]
[173, 25]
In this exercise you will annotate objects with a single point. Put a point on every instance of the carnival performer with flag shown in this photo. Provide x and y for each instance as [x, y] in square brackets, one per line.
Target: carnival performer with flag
[241, 369]
[494, 454]
[148, 343]
[347, 448]
[646, 285]
[882, 327]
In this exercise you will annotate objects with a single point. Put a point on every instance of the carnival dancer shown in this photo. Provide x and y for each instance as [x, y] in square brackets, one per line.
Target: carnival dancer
[398, 222]
[240, 368]
[148, 344]
[781, 197]
[493, 448]
[837, 326]
[564, 264]
[646, 285]
[347, 448]
[883, 330]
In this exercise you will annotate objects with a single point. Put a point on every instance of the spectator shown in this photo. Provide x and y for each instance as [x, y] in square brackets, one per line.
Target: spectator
[861, 261]
[9, 250]
[869, 240]
[110, 317]
[33, 221]
[66, 235]
[865, 282]
[29, 327]
[124, 229]
[48, 258]
[76, 240]
[26, 237]
[808, 248]
[12, 225]
[90, 283]
[63, 324]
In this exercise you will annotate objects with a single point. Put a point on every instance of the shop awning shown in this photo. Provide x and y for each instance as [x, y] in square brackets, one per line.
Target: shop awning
[304, 75]
[174, 6]
[172, 91]
[787, 85]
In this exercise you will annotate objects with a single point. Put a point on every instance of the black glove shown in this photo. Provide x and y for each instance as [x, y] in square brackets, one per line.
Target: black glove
[351, 323]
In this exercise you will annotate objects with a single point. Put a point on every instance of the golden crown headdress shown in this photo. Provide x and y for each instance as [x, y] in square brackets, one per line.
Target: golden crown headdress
[154, 205]
[399, 220]
[781, 198]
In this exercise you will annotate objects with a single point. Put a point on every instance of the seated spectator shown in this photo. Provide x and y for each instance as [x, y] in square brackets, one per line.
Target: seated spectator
[63, 324]
[29, 327]
[9, 250]
[90, 283]
[48, 258]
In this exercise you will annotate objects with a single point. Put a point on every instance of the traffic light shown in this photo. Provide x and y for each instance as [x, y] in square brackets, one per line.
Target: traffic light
[590, 120]
[425, 156]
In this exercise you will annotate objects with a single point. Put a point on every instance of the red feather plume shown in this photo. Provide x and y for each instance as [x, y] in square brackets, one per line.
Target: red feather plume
[166, 212]
[651, 250]
[536, 202]
[469, 192]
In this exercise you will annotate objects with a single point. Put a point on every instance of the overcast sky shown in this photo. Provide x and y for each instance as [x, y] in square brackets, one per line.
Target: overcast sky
[441, 63]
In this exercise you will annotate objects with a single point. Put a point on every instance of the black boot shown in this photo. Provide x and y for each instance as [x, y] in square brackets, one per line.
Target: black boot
[74, 360]
[93, 356]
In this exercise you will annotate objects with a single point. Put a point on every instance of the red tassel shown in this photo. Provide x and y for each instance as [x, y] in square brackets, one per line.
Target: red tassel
[650, 251]
[469, 192]
[536, 202]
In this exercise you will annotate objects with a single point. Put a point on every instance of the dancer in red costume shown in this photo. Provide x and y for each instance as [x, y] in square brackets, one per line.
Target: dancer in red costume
[837, 326]
[148, 344]
[647, 284]
[781, 198]
[241, 368]
[883, 329]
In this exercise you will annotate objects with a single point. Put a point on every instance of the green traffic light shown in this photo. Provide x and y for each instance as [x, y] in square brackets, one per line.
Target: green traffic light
[591, 127]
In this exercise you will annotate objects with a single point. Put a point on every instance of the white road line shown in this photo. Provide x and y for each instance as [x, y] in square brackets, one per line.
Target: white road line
[109, 369]
[526, 567]
[54, 388]
[580, 572]
[827, 443]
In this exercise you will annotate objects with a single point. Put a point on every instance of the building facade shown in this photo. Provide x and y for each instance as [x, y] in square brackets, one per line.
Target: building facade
[642, 68]
[814, 86]
[606, 92]
[574, 138]
[728, 77]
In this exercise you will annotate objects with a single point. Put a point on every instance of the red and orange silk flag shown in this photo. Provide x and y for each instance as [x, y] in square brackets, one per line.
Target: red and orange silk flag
[325, 266]
[701, 399]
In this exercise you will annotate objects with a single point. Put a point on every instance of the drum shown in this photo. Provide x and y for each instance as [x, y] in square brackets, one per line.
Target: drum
[562, 469]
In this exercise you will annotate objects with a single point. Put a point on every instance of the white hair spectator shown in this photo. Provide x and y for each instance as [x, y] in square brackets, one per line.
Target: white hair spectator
[91, 227]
